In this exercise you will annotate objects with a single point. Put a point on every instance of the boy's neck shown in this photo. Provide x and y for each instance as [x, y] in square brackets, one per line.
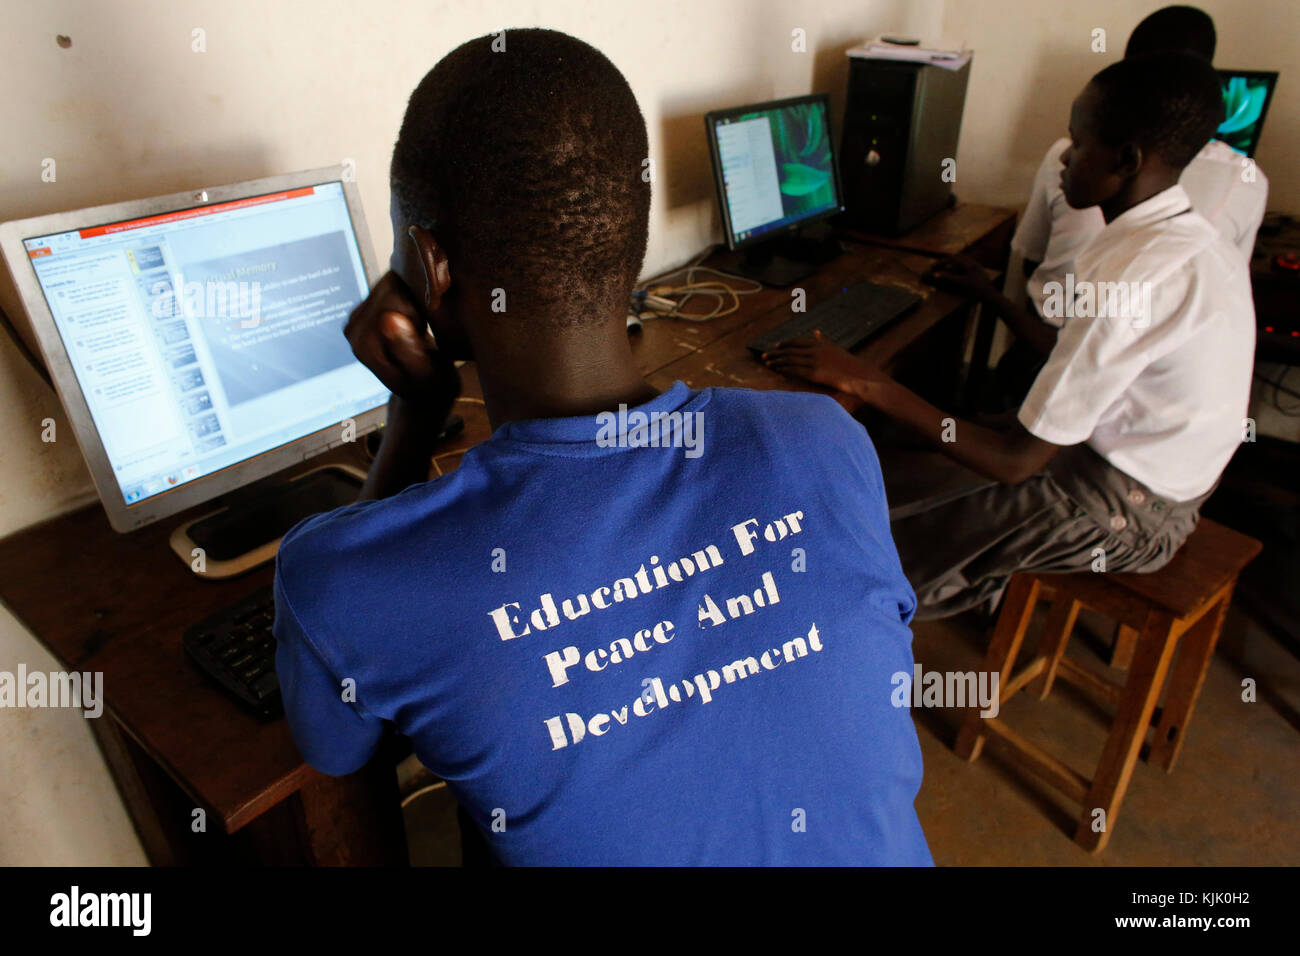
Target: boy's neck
[1150, 182]
[559, 374]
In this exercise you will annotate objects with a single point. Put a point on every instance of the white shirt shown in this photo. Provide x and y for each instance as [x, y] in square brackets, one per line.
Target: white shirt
[1051, 233]
[1160, 393]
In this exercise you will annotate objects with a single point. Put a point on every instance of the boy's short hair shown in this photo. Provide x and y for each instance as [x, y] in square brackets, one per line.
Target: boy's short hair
[1177, 29]
[1170, 104]
[527, 162]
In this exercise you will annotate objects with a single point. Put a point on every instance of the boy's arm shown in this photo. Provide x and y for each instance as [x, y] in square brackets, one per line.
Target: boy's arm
[333, 732]
[410, 436]
[387, 335]
[966, 277]
[1023, 322]
[1009, 457]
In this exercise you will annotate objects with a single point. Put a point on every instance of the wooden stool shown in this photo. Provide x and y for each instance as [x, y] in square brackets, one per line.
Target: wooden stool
[1187, 599]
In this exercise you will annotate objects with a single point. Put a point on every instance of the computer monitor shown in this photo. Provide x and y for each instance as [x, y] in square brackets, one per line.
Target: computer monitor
[775, 171]
[196, 339]
[1246, 95]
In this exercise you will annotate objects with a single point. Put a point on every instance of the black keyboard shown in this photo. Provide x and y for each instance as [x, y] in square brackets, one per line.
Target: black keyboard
[847, 319]
[236, 649]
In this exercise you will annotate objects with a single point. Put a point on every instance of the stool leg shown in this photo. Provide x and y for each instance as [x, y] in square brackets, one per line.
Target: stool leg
[1013, 621]
[1155, 649]
[1056, 635]
[1121, 652]
[1195, 652]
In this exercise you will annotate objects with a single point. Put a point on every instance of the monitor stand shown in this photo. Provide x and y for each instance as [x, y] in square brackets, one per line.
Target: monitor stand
[247, 532]
[783, 261]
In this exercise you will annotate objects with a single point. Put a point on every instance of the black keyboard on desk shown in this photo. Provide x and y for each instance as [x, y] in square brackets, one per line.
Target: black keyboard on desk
[847, 319]
[235, 647]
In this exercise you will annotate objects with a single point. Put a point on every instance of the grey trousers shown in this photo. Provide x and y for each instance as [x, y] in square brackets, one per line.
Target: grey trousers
[960, 547]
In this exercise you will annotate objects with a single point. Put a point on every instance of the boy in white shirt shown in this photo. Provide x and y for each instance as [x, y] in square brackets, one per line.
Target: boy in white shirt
[1141, 403]
[1224, 186]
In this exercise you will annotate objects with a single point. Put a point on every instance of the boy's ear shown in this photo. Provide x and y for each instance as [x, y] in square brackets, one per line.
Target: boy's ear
[433, 261]
[443, 323]
[1129, 160]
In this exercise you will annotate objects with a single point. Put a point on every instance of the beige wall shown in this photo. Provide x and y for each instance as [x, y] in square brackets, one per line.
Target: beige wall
[1034, 56]
[129, 110]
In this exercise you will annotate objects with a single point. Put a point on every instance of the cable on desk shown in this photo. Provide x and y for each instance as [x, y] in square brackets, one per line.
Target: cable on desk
[716, 289]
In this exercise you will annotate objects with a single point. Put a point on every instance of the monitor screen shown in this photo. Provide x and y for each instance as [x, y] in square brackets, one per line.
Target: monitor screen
[205, 336]
[1246, 95]
[775, 166]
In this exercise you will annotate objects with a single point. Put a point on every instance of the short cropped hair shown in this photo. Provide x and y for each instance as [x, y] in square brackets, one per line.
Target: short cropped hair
[1170, 104]
[1178, 29]
[526, 154]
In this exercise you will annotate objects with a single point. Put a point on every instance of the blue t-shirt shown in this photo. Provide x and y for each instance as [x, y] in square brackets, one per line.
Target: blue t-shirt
[665, 639]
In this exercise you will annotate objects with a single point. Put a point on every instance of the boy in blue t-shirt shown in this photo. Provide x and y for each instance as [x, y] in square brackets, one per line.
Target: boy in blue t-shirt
[633, 627]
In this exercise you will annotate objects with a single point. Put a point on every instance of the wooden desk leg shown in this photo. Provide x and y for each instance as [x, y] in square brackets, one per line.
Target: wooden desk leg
[331, 821]
[157, 807]
[1155, 649]
[1195, 652]
[981, 354]
[1121, 651]
[354, 820]
[1013, 621]
[1060, 622]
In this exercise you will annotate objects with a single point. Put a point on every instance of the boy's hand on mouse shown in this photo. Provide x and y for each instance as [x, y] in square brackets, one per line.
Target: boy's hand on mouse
[387, 335]
[820, 360]
[962, 275]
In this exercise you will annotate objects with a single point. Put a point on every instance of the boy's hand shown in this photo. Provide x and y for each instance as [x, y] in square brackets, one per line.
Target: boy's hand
[962, 275]
[820, 360]
[387, 335]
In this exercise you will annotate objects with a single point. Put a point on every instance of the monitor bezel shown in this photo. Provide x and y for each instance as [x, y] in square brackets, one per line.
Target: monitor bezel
[719, 183]
[124, 517]
[1271, 77]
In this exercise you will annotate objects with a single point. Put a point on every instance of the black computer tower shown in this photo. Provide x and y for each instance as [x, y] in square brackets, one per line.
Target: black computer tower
[901, 122]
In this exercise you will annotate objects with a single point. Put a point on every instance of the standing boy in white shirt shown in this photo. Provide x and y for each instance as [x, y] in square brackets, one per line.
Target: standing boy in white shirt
[1140, 405]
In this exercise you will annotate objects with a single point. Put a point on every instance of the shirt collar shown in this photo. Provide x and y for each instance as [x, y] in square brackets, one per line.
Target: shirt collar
[584, 430]
[1163, 205]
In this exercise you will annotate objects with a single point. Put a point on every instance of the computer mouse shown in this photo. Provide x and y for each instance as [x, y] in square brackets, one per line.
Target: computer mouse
[633, 324]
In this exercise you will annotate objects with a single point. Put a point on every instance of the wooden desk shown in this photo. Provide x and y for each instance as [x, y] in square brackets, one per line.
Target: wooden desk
[102, 601]
[725, 361]
[971, 229]
[119, 603]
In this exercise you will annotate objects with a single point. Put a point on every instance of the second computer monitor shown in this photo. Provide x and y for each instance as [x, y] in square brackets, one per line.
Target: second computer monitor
[1246, 95]
[774, 167]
